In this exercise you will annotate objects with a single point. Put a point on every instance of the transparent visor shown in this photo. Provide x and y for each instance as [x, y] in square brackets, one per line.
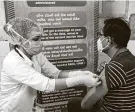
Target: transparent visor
[15, 38]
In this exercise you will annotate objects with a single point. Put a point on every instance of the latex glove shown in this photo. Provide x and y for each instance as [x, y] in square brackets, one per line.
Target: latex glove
[87, 80]
[79, 73]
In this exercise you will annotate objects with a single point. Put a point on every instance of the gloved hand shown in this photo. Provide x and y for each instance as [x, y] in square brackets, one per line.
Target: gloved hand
[87, 80]
[79, 73]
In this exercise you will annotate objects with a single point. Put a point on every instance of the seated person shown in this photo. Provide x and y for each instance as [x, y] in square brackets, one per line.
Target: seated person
[117, 90]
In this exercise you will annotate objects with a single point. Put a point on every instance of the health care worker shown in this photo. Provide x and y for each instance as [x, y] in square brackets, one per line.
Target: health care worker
[26, 70]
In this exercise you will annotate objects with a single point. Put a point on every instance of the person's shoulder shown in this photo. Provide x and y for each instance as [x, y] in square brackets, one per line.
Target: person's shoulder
[126, 60]
[115, 64]
[127, 57]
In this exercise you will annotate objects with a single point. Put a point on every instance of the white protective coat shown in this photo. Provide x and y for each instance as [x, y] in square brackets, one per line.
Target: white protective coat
[20, 80]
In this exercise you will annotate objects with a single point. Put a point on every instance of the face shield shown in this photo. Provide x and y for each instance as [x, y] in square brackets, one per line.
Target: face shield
[30, 45]
[14, 38]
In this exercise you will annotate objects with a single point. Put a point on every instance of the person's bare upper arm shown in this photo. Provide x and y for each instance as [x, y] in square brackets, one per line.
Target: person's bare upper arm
[95, 94]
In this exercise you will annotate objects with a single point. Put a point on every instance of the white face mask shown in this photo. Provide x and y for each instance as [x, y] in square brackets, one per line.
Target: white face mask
[100, 46]
[33, 47]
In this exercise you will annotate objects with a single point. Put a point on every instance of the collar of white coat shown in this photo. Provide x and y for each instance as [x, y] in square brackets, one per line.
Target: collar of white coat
[25, 57]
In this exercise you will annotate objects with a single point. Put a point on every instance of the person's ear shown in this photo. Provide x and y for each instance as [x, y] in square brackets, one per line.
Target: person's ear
[110, 40]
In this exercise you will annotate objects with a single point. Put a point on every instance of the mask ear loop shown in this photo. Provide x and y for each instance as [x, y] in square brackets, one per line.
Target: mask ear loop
[27, 42]
[106, 45]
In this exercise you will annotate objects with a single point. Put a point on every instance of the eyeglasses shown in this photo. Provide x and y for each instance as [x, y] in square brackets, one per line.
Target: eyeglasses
[99, 34]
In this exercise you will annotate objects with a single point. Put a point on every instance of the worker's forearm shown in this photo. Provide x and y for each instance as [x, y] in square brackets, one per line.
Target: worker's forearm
[67, 82]
[86, 80]
[67, 74]
[60, 84]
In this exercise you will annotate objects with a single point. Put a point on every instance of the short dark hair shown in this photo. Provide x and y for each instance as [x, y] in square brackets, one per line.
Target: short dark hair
[118, 29]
